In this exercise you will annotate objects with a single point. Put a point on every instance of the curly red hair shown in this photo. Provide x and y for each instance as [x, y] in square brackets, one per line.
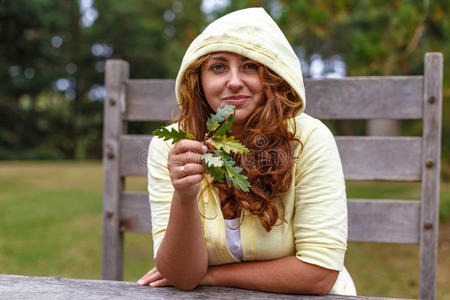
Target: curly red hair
[268, 164]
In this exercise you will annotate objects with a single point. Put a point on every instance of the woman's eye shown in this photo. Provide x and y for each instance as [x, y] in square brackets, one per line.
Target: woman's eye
[251, 66]
[217, 67]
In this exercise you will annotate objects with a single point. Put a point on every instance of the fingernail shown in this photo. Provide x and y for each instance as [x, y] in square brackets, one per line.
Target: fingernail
[205, 149]
[139, 281]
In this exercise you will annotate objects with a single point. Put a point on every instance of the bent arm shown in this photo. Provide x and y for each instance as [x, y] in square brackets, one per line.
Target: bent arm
[180, 251]
[284, 275]
[182, 257]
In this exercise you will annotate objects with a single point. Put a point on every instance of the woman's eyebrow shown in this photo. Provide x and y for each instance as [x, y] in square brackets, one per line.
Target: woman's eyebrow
[221, 58]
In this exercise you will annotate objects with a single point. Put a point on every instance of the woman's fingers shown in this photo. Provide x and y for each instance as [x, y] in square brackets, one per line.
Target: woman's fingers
[153, 278]
[185, 152]
[185, 158]
[189, 145]
[193, 150]
[160, 283]
[190, 169]
[185, 166]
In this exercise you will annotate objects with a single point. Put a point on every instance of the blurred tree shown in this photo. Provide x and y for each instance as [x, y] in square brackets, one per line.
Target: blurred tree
[151, 35]
[34, 55]
[52, 66]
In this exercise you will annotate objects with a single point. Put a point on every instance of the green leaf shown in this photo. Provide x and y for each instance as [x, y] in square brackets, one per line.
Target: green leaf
[214, 121]
[226, 126]
[219, 164]
[233, 174]
[217, 173]
[175, 135]
[239, 181]
[212, 160]
[228, 144]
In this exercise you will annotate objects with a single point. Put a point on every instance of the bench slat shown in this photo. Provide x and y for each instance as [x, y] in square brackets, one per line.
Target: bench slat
[133, 158]
[369, 220]
[135, 212]
[365, 97]
[380, 158]
[149, 99]
[390, 221]
[363, 158]
[337, 98]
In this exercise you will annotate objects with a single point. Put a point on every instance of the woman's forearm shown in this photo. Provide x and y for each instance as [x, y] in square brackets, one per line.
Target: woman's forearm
[284, 275]
[182, 257]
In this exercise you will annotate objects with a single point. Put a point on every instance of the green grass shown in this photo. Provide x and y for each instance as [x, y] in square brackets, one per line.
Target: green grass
[50, 225]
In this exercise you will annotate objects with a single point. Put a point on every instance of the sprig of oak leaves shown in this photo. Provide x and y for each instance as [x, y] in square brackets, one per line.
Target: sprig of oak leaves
[218, 161]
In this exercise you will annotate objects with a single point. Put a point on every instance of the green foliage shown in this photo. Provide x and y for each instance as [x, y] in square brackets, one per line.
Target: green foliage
[44, 41]
[173, 134]
[228, 144]
[226, 126]
[212, 160]
[233, 174]
[214, 121]
[217, 161]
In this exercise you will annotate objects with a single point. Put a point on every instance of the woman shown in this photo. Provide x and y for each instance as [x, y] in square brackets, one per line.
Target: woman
[288, 234]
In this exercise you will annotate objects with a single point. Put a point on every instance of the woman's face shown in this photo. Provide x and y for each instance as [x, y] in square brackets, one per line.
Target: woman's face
[232, 79]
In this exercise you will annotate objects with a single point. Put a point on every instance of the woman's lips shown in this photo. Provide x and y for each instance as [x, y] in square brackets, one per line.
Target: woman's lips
[238, 100]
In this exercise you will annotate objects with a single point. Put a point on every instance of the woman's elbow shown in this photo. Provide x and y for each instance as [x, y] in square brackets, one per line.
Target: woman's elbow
[324, 284]
[186, 285]
[187, 278]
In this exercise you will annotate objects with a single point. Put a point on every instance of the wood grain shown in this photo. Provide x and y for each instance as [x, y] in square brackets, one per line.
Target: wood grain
[343, 98]
[363, 158]
[380, 158]
[387, 221]
[432, 122]
[370, 220]
[15, 287]
[112, 239]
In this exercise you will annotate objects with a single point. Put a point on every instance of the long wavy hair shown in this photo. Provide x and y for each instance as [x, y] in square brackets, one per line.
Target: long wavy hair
[268, 163]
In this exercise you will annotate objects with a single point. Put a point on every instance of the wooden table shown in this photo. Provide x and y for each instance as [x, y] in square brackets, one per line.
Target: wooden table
[27, 287]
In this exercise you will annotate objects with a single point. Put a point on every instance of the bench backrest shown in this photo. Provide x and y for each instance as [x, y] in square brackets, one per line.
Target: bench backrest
[363, 157]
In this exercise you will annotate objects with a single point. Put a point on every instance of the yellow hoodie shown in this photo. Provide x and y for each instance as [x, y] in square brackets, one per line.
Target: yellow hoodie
[315, 204]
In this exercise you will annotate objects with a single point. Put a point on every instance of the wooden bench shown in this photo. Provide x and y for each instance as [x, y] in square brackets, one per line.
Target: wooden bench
[44, 288]
[364, 157]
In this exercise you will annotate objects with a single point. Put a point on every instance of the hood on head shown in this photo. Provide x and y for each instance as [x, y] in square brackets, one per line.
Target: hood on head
[251, 33]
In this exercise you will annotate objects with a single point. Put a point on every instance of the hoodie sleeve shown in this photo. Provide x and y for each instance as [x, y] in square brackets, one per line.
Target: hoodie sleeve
[160, 189]
[320, 219]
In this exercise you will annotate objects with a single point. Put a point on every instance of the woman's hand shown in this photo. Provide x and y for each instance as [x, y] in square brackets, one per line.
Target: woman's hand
[154, 279]
[186, 166]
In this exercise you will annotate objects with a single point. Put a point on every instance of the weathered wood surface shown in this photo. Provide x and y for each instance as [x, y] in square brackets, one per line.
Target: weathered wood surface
[150, 99]
[133, 158]
[336, 98]
[135, 212]
[386, 221]
[14, 287]
[370, 220]
[432, 122]
[380, 158]
[112, 246]
[363, 158]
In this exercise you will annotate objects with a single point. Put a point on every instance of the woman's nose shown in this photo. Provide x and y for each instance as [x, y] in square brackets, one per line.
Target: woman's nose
[235, 80]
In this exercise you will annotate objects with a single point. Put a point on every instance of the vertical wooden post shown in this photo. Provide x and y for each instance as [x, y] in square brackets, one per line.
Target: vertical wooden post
[112, 241]
[431, 153]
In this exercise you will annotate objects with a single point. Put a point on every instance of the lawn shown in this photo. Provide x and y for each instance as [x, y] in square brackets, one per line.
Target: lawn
[50, 225]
